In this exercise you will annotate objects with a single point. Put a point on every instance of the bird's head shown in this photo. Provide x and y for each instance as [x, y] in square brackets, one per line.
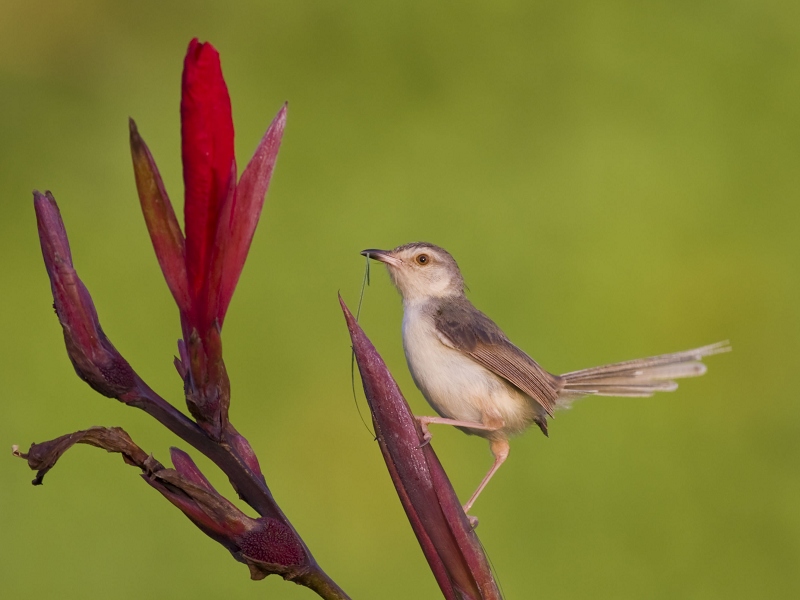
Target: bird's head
[421, 271]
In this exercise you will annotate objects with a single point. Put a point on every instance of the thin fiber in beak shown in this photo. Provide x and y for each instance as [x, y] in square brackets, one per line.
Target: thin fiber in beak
[384, 256]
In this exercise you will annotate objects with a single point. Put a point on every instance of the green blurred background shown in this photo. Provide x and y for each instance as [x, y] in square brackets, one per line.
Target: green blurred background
[616, 180]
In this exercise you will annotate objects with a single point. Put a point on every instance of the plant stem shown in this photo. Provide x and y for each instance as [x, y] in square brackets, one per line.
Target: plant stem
[316, 579]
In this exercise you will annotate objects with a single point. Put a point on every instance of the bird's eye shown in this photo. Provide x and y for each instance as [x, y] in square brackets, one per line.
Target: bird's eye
[422, 259]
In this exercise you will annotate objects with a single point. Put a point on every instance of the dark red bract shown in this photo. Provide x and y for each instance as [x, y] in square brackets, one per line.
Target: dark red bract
[447, 539]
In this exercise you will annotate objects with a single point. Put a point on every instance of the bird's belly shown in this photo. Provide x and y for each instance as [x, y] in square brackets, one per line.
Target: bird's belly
[459, 388]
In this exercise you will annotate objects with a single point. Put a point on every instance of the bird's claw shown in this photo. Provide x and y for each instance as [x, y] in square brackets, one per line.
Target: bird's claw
[426, 434]
[426, 437]
[473, 521]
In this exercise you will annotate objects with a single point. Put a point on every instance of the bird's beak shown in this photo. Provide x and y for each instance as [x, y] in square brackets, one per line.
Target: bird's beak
[384, 256]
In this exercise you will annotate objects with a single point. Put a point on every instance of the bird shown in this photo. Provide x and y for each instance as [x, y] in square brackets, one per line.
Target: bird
[477, 380]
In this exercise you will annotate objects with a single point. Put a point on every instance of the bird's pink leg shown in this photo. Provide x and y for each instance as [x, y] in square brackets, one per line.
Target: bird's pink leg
[500, 449]
[425, 421]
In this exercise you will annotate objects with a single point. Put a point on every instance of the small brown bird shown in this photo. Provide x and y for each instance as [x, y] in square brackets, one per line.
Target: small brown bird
[477, 380]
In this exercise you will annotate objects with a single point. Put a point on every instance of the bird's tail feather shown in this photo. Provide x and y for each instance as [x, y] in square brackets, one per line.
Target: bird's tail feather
[641, 377]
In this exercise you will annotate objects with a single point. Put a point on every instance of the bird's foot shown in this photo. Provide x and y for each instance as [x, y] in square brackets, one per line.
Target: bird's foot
[425, 421]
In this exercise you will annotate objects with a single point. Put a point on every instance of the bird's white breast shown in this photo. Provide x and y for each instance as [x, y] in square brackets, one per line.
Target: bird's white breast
[454, 384]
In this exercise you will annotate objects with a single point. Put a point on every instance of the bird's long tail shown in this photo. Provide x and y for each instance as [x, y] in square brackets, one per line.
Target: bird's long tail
[641, 377]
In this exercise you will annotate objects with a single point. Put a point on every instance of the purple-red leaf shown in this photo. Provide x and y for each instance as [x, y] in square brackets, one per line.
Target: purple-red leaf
[242, 448]
[94, 357]
[165, 233]
[239, 217]
[214, 514]
[184, 465]
[449, 543]
[215, 272]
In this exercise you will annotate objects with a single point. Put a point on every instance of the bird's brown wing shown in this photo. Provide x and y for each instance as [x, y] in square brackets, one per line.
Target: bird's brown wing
[462, 327]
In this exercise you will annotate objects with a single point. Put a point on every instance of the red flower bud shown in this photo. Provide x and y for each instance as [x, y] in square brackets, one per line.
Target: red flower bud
[208, 166]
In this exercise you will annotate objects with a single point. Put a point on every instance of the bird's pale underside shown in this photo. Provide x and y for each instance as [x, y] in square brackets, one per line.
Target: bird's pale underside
[477, 380]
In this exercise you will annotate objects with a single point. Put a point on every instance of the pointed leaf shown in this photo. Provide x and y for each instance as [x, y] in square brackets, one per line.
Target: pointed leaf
[165, 232]
[212, 286]
[449, 543]
[184, 465]
[243, 450]
[239, 219]
[94, 357]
